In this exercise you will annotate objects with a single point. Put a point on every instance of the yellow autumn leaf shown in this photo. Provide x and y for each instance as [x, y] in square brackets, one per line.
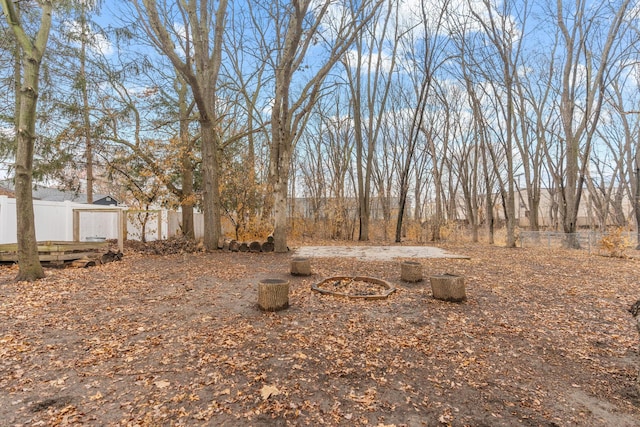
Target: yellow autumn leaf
[162, 384]
[267, 391]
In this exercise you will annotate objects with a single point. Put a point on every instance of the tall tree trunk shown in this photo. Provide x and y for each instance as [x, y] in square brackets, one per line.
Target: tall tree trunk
[188, 226]
[86, 121]
[279, 173]
[28, 259]
[211, 185]
[280, 229]
[187, 198]
[32, 52]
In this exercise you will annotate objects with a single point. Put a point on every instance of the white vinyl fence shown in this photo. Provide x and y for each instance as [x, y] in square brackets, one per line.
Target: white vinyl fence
[54, 221]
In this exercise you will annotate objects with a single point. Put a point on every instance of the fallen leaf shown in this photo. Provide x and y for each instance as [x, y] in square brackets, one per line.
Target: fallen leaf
[162, 384]
[224, 392]
[268, 391]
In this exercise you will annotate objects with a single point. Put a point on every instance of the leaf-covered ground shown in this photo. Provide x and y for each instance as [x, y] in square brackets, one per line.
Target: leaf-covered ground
[544, 339]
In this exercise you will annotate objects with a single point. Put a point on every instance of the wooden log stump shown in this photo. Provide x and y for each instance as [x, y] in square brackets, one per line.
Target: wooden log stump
[83, 263]
[234, 246]
[255, 247]
[300, 267]
[448, 287]
[273, 294]
[244, 247]
[268, 247]
[411, 271]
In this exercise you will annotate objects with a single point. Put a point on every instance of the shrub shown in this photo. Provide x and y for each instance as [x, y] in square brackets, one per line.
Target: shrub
[614, 243]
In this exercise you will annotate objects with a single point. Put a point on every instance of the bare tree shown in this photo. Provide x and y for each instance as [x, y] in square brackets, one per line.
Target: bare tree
[464, 162]
[299, 22]
[245, 71]
[431, 56]
[196, 54]
[473, 77]
[32, 51]
[436, 129]
[585, 66]
[500, 32]
[338, 147]
[369, 69]
[535, 90]
[629, 154]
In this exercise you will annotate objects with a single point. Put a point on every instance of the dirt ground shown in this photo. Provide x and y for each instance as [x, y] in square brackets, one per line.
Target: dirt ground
[544, 339]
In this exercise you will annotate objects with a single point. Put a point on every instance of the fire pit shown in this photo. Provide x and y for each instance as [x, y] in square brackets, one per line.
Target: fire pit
[355, 287]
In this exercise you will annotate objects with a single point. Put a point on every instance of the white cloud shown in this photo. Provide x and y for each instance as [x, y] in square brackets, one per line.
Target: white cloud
[372, 58]
[102, 45]
[96, 41]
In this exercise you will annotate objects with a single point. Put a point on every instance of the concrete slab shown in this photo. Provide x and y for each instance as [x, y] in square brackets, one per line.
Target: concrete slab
[374, 253]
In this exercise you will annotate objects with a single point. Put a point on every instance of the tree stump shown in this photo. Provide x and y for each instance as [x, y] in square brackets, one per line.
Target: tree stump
[273, 294]
[448, 287]
[411, 271]
[300, 267]
[255, 247]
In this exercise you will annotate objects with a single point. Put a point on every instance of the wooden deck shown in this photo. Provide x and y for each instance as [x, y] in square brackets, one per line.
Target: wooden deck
[57, 252]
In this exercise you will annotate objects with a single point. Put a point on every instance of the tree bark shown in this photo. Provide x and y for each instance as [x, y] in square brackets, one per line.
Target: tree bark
[86, 121]
[448, 287]
[187, 198]
[32, 52]
[273, 294]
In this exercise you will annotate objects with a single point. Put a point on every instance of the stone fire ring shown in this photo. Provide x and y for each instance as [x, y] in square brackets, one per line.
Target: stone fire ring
[389, 289]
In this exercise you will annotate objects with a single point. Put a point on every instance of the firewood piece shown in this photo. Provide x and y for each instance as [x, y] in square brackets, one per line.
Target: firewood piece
[300, 267]
[243, 247]
[234, 246]
[273, 294]
[448, 287]
[83, 263]
[411, 271]
[268, 247]
[111, 256]
[255, 247]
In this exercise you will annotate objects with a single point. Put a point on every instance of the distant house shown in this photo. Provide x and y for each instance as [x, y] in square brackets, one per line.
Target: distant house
[55, 195]
[104, 200]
